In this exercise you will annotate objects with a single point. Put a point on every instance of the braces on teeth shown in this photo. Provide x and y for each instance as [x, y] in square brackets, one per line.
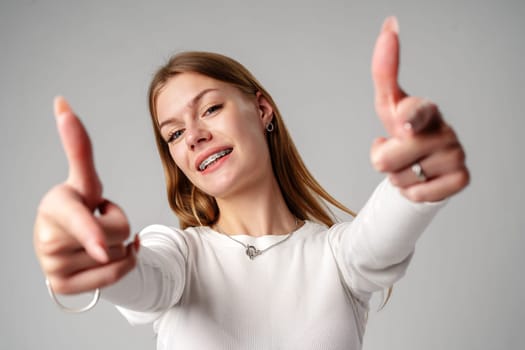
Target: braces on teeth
[213, 158]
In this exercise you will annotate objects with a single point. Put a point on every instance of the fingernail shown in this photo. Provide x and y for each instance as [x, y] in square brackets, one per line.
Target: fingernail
[61, 117]
[99, 253]
[391, 23]
[136, 243]
[420, 118]
[103, 207]
[395, 24]
[60, 106]
[377, 163]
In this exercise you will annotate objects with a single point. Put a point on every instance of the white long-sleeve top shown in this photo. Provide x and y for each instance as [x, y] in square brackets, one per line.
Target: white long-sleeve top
[201, 290]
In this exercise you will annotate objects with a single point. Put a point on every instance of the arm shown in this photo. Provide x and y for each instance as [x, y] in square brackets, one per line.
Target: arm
[375, 249]
[425, 163]
[158, 279]
[80, 237]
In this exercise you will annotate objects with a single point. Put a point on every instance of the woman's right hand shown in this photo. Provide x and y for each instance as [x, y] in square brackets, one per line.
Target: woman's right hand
[79, 237]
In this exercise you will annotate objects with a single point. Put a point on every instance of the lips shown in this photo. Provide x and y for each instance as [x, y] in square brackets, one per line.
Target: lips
[211, 157]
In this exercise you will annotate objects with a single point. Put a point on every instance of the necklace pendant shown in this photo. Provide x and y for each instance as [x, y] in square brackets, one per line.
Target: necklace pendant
[252, 252]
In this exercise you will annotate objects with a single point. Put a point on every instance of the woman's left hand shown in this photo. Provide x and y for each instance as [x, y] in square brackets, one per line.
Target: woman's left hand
[423, 156]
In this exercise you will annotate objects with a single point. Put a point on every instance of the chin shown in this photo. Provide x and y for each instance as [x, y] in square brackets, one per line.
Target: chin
[226, 183]
[218, 187]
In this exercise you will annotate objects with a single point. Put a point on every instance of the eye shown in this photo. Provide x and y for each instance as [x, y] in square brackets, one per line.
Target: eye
[174, 135]
[212, 109]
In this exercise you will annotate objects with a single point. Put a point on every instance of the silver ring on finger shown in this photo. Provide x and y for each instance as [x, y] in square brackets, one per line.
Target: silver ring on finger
[418, 171]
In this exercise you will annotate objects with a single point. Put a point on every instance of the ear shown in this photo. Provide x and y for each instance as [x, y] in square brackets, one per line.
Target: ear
[264, 108]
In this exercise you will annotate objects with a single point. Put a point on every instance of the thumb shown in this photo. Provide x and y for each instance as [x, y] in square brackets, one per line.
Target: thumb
[77, 146]
[385, 68]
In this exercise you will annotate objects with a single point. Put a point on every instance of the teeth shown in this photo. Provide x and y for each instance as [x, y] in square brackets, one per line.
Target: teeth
[214, 157]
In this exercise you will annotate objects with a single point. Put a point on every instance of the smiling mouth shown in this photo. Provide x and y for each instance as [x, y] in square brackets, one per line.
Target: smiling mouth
[213, 158]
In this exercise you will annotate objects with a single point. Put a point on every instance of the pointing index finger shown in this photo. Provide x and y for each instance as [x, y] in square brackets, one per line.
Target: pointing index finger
[385, 67]
[77, 146]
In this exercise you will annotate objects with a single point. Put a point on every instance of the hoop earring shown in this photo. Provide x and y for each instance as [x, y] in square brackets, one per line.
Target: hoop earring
[270, 127]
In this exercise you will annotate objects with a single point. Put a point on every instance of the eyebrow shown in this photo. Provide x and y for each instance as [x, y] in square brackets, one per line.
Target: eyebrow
[190, 104]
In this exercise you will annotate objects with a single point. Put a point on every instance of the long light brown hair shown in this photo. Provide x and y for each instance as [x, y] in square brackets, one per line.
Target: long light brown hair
[304, 196]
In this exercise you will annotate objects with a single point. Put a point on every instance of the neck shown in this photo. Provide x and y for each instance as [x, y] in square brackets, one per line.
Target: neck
[257, 212]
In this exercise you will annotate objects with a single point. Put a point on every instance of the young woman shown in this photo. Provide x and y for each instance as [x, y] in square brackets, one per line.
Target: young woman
[258, 263]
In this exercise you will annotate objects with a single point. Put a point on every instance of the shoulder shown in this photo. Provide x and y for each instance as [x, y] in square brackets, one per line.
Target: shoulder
[313, 228]
[320, 232]
[164, 235]
[160, 232]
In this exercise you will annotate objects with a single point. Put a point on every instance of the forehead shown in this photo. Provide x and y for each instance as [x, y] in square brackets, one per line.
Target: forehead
[180, 90]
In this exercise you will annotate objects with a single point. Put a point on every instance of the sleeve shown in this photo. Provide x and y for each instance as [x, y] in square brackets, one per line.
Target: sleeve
[374, 250]
[157, 281]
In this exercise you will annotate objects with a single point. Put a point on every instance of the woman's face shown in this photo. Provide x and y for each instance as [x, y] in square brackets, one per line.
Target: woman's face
[216, 133]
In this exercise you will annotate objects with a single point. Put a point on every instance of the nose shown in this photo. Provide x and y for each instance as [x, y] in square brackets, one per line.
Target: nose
[196, 134]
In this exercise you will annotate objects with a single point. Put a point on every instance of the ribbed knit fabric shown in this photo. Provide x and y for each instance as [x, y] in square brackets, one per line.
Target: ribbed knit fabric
[201, 291]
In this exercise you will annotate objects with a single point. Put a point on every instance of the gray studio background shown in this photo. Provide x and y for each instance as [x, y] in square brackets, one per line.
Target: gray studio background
[465, 287]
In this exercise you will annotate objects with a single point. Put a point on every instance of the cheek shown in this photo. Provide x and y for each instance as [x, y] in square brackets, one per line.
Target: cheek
[249, 129]
[178, 156]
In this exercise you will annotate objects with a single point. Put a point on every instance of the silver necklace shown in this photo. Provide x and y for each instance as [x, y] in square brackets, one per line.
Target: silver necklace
[251, 251]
